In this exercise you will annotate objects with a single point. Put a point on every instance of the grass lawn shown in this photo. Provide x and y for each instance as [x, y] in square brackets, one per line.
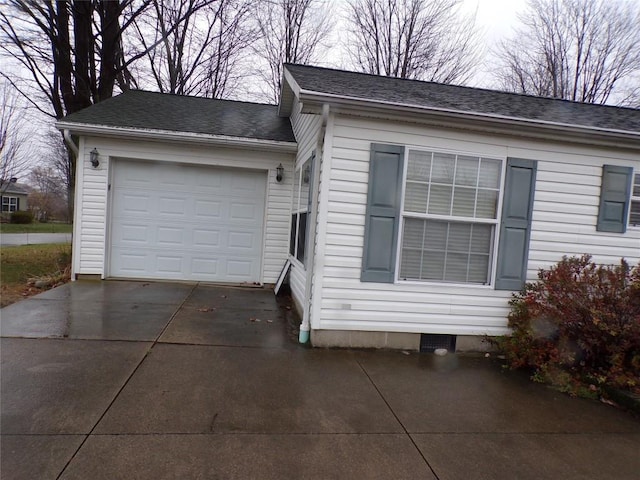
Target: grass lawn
[19, 264]
[36, 228]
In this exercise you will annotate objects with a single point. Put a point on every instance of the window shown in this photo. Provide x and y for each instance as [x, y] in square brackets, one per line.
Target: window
[300, 210]
[449, 217]
[9, 204]
[634, 216]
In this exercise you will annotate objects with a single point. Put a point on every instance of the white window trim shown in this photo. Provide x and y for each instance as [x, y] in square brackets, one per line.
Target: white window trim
[493, 260]
[9, 204]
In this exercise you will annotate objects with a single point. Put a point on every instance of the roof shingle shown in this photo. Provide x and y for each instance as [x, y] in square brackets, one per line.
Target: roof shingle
[137, 109]
[463, 99]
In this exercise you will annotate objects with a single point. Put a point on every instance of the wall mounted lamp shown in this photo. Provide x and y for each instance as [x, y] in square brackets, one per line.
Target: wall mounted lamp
[93, 156]
[279, 173]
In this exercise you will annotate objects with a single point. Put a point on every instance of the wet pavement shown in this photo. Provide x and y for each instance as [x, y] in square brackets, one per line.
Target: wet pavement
[163, 381]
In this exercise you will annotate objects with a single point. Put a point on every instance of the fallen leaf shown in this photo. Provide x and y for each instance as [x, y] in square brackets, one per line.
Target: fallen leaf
[269, 321]
[205, 309]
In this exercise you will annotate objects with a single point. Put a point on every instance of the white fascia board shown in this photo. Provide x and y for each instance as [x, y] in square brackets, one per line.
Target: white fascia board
[289, 90]
[185, 137]
[313, 101]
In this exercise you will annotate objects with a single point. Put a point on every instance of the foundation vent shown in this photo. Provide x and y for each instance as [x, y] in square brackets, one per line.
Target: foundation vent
[429, 342]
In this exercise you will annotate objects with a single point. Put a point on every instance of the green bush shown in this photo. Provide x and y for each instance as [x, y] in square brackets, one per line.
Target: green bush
[22, 217]
[578, 327]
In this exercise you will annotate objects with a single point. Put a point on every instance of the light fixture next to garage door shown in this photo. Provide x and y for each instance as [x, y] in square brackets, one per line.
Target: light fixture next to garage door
[279, 173]
[93, 156]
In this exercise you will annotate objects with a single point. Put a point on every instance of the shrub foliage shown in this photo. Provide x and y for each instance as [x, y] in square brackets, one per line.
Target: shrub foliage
[22, 217]
[578, 326]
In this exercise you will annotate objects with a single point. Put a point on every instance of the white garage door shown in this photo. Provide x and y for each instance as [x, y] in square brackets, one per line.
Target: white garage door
[184, 222]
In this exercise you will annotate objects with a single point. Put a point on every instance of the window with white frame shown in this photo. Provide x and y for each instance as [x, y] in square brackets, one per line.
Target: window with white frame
[9, 204]
[300, 210]
[634, 215]
[449, 217]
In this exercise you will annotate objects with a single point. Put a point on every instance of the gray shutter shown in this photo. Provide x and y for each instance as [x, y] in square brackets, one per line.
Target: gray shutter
[383, 213]
[515, 227]
[615, 196]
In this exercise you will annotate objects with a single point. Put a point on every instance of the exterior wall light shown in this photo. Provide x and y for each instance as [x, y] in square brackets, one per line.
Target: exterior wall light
[279, 173]
[93, 156]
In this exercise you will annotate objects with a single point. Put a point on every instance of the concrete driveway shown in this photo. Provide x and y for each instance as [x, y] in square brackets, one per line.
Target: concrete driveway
[164, 381]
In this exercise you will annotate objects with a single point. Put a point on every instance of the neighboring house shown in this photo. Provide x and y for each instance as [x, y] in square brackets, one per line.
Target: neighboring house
[13, 197]
[410, 210]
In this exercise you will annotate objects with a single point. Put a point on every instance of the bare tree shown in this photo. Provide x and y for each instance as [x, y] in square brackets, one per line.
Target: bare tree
[16, 149]
[201, 44]
[291, 31]
[49, 197]
[419, 39]
[574, 49]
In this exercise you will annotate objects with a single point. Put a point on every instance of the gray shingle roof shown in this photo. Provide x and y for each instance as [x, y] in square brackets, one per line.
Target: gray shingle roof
[14, 188]
[155, 111]
[463, 99]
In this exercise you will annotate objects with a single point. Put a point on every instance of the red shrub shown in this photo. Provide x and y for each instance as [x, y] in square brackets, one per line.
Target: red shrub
[578, 324]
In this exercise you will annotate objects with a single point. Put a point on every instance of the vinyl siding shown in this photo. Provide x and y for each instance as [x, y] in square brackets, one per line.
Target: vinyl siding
[91, 229]
[564, 221]
[305, 128]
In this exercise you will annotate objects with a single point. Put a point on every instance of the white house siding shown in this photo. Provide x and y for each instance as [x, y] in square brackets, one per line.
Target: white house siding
[305, 128]
[565, 212]
[91, 229]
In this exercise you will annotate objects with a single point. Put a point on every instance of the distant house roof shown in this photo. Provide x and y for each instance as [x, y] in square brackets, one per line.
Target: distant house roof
[451, 98]
[14, 188]
[140, 110]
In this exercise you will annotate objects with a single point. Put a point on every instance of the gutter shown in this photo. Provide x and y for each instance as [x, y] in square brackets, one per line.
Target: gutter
[305, 326]
[69, 141]
[187, 137]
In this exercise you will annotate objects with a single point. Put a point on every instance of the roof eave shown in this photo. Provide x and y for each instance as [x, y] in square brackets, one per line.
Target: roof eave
[185, 137]
[313, 101]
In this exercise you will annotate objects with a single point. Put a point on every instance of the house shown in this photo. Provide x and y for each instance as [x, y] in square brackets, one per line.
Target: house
[13, 197]
[410, 211]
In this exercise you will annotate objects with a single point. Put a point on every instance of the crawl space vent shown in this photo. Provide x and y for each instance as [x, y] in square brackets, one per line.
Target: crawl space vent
[429, 342]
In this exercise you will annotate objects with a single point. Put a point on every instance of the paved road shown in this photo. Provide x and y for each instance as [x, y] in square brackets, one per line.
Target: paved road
[7, 239]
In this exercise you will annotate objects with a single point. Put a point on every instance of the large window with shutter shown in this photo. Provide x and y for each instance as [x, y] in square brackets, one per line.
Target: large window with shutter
[449, 217]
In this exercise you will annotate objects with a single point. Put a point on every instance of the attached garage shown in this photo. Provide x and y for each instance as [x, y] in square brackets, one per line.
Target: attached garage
[186, 222]
[170, 187]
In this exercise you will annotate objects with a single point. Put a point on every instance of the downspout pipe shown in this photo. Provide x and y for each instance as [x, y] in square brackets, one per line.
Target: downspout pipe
[305, 326]
[70, 143]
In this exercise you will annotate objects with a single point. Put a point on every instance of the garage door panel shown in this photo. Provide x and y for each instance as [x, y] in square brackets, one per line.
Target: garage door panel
[208, 226]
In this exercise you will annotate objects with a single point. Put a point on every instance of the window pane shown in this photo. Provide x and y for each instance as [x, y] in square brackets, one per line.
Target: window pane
[481, 236]
[415, 197]
[467, 171]
[435, 237]
[443, 166]
[464, 200]
[292, 234]
[419, 166]
[489, 173]
[459, 237]
[456, 267]
[440, 200]
[478, 269]
[487, 206]
[413, 234]
[302, 236]
[412, 239]
[432, 265]
[634, 219]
